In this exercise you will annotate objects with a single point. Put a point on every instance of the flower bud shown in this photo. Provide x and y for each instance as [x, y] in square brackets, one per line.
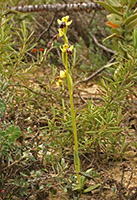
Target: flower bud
[62, 74]
[49, 45]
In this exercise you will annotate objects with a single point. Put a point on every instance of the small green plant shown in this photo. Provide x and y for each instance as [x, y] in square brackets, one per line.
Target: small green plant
[122, 20]
[13, 56]
[8, 140]
[103, 124]
[8, 145]
[14, 45]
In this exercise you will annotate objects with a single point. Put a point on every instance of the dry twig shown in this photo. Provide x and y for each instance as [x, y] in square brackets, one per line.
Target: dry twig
[98, 71]
[100, 45]
[46, 30]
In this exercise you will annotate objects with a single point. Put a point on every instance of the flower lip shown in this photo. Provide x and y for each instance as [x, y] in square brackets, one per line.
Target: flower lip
[65, 47]
[69, 51]
[62, 25]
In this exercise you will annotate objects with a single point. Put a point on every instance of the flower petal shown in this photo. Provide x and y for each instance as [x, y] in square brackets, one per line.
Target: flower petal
[68, 23]
[71, 47]
[61, 33]
[59, 21]
[59, 83]
[65, 47]
[62, 74]
[65, 19]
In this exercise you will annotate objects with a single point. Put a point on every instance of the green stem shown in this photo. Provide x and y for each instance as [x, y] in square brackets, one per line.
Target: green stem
[70, 88]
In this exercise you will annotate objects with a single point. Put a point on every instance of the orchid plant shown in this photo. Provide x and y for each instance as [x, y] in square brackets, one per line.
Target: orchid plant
[66, 50]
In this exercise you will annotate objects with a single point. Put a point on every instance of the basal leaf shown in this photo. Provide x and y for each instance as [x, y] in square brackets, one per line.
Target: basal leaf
[93, 187]
[76, 160]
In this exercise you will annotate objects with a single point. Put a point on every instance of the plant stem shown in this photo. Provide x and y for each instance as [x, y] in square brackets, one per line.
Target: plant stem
[70, 88]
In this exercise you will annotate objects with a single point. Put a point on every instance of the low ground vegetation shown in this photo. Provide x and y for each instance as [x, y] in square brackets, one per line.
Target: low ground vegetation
[44, 74]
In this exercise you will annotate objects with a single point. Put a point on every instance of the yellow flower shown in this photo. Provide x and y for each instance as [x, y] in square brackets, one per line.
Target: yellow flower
[69, 50]
[71, 47]
[61, 32]
[62, 74]
[65, 47]
[64, 19]
[59, 82]
[63, 24]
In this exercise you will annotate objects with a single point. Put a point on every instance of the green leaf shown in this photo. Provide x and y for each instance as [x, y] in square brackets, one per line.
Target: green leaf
[109, 8]
[80, 186]
[117, 47]
[114, 3]
[76, 187]
[86, 174]
[70, 82]
[110, 36]
[110, 64]
[42, 42]
[135, 38]
[76, 161]
[132, 25]
[82, 181]
[2, 133]
[124, 2]
[114, 18]
[2, 107]
[131, 4]
[13, 132]
[129, 19]
[24, 30]
[93, 187]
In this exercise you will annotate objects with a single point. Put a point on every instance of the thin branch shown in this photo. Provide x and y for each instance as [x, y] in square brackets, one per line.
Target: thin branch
[46, 30]
[98, 71]
[92, 18]
[100, 45]
[56, 7]
[19, 85]
[14, 163]
[130, 178]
